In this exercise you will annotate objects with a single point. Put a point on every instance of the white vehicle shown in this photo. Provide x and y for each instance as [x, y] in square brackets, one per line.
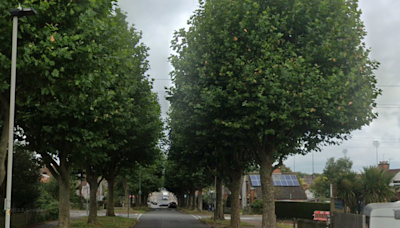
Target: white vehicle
[165, 195]
[379, 215]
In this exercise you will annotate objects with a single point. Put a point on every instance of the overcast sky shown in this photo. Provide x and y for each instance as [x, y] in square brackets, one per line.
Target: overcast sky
[158, 19]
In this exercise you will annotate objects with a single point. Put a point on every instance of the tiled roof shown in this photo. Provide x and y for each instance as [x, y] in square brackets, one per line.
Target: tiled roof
[393, 171]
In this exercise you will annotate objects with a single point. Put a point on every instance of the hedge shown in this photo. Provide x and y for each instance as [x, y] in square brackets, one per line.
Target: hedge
[304, 210]
[289, 210]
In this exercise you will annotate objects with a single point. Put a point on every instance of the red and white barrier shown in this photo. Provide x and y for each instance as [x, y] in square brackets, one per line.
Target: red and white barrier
[322, 215]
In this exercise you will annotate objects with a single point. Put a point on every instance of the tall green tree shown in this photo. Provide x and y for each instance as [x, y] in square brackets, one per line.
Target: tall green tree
[333, 173]
[294, 76]
[334, 169]
[348, 189]
[375, 186]
[66, 48]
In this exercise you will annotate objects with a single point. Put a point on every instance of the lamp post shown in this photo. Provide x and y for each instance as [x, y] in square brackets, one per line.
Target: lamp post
[376, 144]
[15, 13]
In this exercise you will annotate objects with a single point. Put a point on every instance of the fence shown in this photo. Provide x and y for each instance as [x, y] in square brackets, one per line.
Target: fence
[341, 220]
[305, 223]
[28, 218]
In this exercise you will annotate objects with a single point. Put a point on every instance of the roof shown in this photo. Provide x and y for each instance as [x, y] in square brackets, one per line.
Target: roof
[283, 192]
[393, 171]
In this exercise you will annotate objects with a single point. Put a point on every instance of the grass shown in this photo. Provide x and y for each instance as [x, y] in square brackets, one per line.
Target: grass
[222, 223]
[280, 225]
[195, 212]
[132, 210]
[104, 222]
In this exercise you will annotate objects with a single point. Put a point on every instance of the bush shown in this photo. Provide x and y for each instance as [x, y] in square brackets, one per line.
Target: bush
[257, 206]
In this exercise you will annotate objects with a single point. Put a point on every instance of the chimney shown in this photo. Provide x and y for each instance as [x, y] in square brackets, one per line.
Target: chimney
[277, 171]
[383, 165]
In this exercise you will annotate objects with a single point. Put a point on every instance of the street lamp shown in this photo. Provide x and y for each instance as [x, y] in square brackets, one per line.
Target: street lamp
[376, 144]
[15, 13]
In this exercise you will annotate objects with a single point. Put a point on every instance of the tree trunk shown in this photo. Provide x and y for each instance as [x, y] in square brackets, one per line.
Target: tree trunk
[64, 203]
[219, 207]
[3, 144]
[235, 186]
[126, 191]
[200, 200]
[181, 200]
[80, 195]
[188, 200]
[91, 177]
[267, 188]
[110, 193]
[193, 197]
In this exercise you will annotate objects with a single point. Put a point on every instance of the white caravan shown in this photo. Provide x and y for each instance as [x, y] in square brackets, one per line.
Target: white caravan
[382, 215]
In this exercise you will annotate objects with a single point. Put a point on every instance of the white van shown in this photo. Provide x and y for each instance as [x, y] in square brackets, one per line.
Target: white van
[382, 215]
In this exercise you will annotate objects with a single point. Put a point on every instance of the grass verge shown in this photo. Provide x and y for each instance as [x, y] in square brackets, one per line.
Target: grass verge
[281, 225]
[132, 210]
[222, 223]
[195, 212]
[104, 222]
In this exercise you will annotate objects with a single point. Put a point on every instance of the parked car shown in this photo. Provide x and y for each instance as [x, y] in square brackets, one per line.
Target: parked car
[172, 205]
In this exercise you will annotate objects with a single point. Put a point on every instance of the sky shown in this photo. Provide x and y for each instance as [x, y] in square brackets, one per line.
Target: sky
[158, 19]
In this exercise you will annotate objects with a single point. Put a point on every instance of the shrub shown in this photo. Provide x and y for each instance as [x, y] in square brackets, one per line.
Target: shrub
[257, 206]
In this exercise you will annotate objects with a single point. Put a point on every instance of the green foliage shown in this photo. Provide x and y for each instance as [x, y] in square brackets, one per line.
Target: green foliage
[257, 206]
[333, 171]
[274, 77]
[375, 186]
[348, 188]
[26, 179]
[321, 187]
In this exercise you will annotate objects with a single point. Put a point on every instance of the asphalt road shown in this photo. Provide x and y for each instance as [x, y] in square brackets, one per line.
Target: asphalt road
[167, 218]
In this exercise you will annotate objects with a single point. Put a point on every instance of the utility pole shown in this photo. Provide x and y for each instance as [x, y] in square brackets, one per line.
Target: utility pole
[16, 14]
[312, 164]
[376, 144]
[140, 188]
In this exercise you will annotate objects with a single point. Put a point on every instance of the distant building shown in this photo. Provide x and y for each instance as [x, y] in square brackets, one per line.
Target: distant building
[287, 186]
[384, 165]
[45, 175]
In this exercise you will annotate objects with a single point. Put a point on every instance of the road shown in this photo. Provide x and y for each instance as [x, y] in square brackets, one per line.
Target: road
[167, 218]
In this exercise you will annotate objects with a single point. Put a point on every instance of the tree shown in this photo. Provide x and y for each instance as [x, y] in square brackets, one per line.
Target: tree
[66, 55]
[333, 171]
[348, 189]
[293, 75]
[26, 179]
[375, 186]
[321, 186]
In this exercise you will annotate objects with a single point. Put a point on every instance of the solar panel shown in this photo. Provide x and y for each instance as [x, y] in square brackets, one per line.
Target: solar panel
[285, 180]
[289, 180]
[255, 180]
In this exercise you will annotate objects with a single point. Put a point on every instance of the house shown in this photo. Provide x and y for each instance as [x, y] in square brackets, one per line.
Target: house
[286, 187]
[45, 174]
[384, 165]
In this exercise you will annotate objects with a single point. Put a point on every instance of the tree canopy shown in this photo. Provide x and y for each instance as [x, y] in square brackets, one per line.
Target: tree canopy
[285, 77]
